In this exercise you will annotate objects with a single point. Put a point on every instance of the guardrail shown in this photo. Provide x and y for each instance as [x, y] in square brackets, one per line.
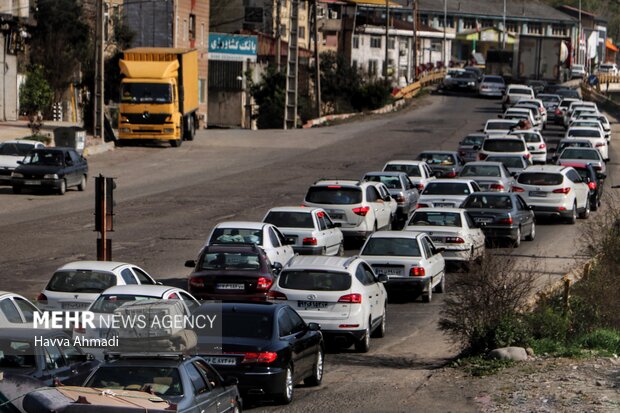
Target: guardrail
[413, 89]
[607, 78]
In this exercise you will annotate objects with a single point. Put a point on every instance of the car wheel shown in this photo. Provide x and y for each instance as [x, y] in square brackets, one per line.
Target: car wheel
[380, 331]
[317, 370]
[17, 189]
[441, 287]
[573, 216]
[363, 344]
[341, 249]
[286, 395]
[517, 240]
[63, 187]
[586, 214]
[82, 185]
[236, 408]
[594, 204]
[532, 234]
[427, 297]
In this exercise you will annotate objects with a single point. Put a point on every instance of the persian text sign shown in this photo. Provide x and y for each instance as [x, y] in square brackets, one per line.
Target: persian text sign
[232, 47]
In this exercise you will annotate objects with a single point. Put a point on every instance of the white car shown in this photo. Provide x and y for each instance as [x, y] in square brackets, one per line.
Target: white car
[499, 126]
[447, 193]
[562, 108]
[535, 144]
[419, 172]
[11, 152]
[410, 260]
[608, 68]
[452, 229]
[592, 134]
[577, 72]
[75, 285]
[556, 191]
[266, 236]
[16, 311]
[343, 295]
[514, 145]
[522, 113]
[492, 86]
[359, 207]
[580, 122]
[602, 120]
[515, 93]
[310, 230]
[537, 105]
[490, 176]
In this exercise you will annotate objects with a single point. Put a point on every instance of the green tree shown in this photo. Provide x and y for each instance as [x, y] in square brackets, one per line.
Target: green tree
[269, 95]
[339, 82]
[35, 96]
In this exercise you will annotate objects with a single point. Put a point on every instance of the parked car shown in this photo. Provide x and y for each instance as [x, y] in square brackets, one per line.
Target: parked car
[188, 382]
[608, 68]
[51, 168]
[266, 236]
[502, 216]
[515, 93]
[514, 163]
[310, 230]
[535, 144]
[53, 360]
[447, 193]
[16, 311]
[401, 189]
[571, 156]
[357, 206]
[554, 191]
[11, 152]
[75, 285]
[499, 127]
[278, 351]
[592, 134]
[444, 164]
[342, 295]
[492, 86]
[452, 229]
[470, 145]
[418, 171]
[577, 72]
[231, 272]
[464, 81]
[504, 146]
[410, 261]
[490, 176]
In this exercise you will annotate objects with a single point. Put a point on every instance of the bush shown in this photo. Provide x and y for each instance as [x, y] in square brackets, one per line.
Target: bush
[269, 95]
[372, 95]
[601, 339]
[35, 95]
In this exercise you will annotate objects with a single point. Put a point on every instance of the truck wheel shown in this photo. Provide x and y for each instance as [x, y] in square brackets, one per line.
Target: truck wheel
[191, 129]
[176, 143]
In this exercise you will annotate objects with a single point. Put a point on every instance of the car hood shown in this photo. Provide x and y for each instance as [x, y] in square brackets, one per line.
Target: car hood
[8, 161]
[38, 169]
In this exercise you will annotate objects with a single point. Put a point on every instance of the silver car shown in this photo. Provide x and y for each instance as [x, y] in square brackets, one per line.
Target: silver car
[492, 86]
[470, 145]
[400, 188]
[571, 156]
[490, 176]
[514, 163]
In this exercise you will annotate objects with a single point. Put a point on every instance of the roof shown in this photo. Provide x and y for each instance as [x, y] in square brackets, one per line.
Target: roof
[484, 163]
[454, 210]
[451, 180]
[351, 182]
[319, 262]
[544, 168]
[441, 152]
[378, 3]
[241, 224]
[301, 209]
[385, 173]
[92, 265]
[155, 291]
[394, 234]
[405, 162]
[28, 141]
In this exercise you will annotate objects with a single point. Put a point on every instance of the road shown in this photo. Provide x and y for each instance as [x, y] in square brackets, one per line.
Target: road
[167, 200]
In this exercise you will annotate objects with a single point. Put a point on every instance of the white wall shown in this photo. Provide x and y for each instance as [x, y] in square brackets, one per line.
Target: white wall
[8, 86]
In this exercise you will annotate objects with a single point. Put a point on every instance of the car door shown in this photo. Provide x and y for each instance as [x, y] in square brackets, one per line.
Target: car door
[70, 169]
[377, 204]
[334, 235]
[286, 251]
[286, 333]
[128, 276]
[581, 189]
[307, 341]
[79, 366]
[55, 368]
[203, 401]
[370, 293]
[526, 212]
[271, 244]
[223, 395]
[474, 233]
[434, 260]
[78, 166]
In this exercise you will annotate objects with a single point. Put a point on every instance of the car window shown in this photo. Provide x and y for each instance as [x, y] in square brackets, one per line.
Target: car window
[426, 246]
[296, 321]
[371, 194]
[26, 308]
[393, 246]
[315, 280]
[410, 170]
[281, 237]
[74, 157]
[470, 222]
[334, 195]
[71, 353]
[198, 381]
[370, 276]
[286, 219]
[503, 145]
[53, 358]
[500, 201]
[237, 235]
[274, 238]
[435, 218]
[540, 178]
[320, 217]
[392, 182]
[142, 276]
[10, 311]
[480, 170]
[189, 301]
[446, 188]
[285, 324]
[81, 281]
[443, 159]
[522, 204]
[573, 176]
[213, 379]
[16, 354]
[362, 276]
[128, 277]
[165, 380]
[328, 221]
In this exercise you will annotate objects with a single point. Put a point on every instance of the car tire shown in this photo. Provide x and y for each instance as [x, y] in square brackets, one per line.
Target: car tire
[175, 143]
[288, 386]
[17, 189]
[236, 408]
[363, 344]
[427, 297]
[594, 204]
[341, 249]
[82, 184]
[532, 233]
[380, 331]
[573, 217]
[516, 242]
[191, 129]
[441, 287]
[63, 187]
[317, 370]
[586, 213]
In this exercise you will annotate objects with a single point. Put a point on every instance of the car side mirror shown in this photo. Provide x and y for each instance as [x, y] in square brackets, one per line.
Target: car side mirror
[230, 381]
[382, 278]
[314, 327]
[190, 263]
[601, 175]
[276, 267]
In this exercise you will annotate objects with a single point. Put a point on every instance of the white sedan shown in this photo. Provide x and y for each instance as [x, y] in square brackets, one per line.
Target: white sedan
[410, 260]
[419, 172]
[451, 229]
[449, 193]
[11, 152]
[16, 311]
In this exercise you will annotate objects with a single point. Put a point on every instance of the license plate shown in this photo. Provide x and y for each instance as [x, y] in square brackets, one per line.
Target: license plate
[539, 194]
[483, 220]
[32, 182]
[230, 286]
[388, 271]
[336, 216]
[437, 239]
[221, 361]
[311, 304]
[74, 306]
[443, 204]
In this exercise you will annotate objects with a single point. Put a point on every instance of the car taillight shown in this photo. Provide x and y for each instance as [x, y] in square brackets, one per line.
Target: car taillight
[450, 174]
[41, 297]
[517, 189]
[506, 221]
[361, 211]
[527, 156]
[598, 145]
[561, 191]
[263, 283]
[496, 187]
[420, 187]
[592, 185]
[542, 146]
[309, 241]
[421, 206]
[482, 156]
[197, 282]
[351, 298]
[276, 295]
[558, 112]
[454, 240]
[417, 272]
[262, 357]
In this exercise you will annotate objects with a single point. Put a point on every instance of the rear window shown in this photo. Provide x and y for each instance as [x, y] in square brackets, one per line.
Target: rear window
[437, 158]
[590, 133]
[530, 137]
[488, 201]
[480, 170]
[315, 280]
[81, 281]
[503, 145]
[570, 153]
[237, 235]
[446, 188]
[540, 178]
[436, 219]
[401, 247]
[508, 161]
[500, 125]
[410, 170]
[15, 149]
[235, 324]
[473, 140]
[569, 93]
[520, 91]
[392, 182]
[163, 381]
[284, 219]
[230, 261]
[106, 304]
[334, 195]
[493, 79]
[16, 354]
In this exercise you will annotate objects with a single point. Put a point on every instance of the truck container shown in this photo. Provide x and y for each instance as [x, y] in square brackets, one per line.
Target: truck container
[538, 58]
[159, 95]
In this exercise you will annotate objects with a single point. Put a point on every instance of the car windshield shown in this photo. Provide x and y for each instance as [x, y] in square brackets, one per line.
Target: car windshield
[508, 161]
[488, 201]
[436, 219]
[230, 261]
[334, 195]
[549, 98]
[503, 145]
[163, 381]
[289, 219]
[465, 75]
[16, 354]
[392, 182]
[46, 158]
[481, 170]
[437, 158]
[312, 280]
[493, 79]
[446, 188]
[146, 93]
[540, 178]
[576, 144]
[410, 170]
[81, 281]
[589, 154]
[500, 125]
[569, 93]
[235, 324]
[237, 235]
[15, 149]
[106, 304]
[400, 247]
[529, 137]
[584, 133]
[473, 140]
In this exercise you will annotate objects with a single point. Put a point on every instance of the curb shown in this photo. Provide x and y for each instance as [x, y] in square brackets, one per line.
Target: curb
[97, 149]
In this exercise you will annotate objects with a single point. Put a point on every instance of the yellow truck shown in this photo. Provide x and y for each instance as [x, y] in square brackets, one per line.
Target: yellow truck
[159, 95]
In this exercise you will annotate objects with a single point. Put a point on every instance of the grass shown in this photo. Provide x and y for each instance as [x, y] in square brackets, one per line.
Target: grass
[479, 367]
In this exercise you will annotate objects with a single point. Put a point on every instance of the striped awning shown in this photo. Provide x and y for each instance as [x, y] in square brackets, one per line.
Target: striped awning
[610, 45]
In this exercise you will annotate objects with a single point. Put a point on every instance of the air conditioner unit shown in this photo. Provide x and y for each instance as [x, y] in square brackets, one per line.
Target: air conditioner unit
[333, 14]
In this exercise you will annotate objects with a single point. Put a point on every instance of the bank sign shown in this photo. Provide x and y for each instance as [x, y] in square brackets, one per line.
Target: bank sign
[233, 47]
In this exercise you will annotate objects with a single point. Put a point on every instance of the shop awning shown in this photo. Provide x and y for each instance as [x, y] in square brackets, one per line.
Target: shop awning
[489, 34]
[610, 45]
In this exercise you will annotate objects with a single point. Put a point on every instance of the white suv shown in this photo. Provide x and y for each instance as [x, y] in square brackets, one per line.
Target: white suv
[359, 207]
[515, 93]
[594, 135]
[556, 191]
[342, 295]
[535, 144]
[514, 145]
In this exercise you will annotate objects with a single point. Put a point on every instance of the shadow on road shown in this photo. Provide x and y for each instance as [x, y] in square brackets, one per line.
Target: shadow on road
[391, 362]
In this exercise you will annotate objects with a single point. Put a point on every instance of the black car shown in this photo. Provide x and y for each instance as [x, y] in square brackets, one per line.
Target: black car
[51, 168]
[189, 382]
[267, 347]
[502, 215]
[231, 273]
[466, 81]
[46, 355]
[595, 181]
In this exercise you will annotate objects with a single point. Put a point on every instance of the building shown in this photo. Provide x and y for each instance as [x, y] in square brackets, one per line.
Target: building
[592, 49]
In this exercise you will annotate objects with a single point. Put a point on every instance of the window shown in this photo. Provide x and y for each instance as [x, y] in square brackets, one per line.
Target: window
[285, 324]
[189, 301]
[356, 42]
[486, 23]
[427, 247]
[71, 353]
[212, 377]
[53, 358]
[558, 30]
[296, 321]
[449, 21]
[512, 27]
[424, 19]
[373, 65]
[192, 27]
[274, 238]
[574, 176]
[198, 381]
[281, 237]
[375, 42]
[302, 29]
[185, 29]
[371, 194]
[392, 43]
[321, 219]
[202, 90]
[362, 275]
[435, 45]
[128, 277]
[469, 24]
[27, 309]
[10, 311]
[354, 64]
[469, 221]
[142, 276]
[534, 28]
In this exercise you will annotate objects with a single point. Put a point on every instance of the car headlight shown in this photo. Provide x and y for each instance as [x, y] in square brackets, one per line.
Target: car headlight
[125, 130]
[50, 176]
[471, 84]
[17, 175]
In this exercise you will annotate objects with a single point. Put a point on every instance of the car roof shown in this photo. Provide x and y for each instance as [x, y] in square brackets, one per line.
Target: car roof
[394, 234]
[92, 265]
[545, 168]
[139, 289]
[241, 224]
[319, 262]
[302, 209]
[518, 85]
[451, 180]
[501, 120]
[405, 162]
[385, 173]
[27, 141]
[440, 152]
[489, 193]
[574, 140]
[483, 163]
[456, 210]
[342, 182]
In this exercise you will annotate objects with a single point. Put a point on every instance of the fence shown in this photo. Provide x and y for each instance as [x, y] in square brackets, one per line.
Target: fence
[413, 89]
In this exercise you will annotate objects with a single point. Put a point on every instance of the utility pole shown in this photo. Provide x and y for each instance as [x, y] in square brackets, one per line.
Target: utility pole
[317, 62]
[579, 37]
[387, 38]
[278, 35]
[415, 39]
[104, 215]
[98, 98]
[504, 29]
[445, 20]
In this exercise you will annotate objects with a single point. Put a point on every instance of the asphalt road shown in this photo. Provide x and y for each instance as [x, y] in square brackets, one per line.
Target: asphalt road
[167, 200]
